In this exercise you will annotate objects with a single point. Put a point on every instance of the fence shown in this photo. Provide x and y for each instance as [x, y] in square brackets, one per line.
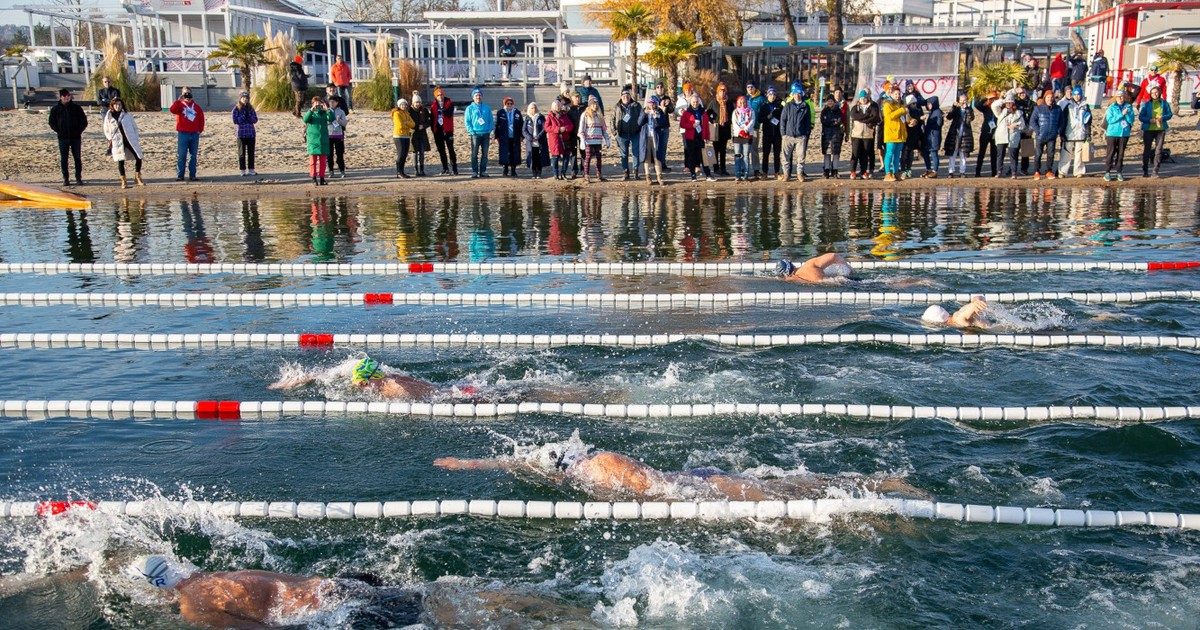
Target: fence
[780, 65]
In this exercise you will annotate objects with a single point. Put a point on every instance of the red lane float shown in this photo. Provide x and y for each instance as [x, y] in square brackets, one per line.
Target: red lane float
[316, 340]
[218, 410]
[377, 298]
[420, 267]
[53, 508]
[1172, 265]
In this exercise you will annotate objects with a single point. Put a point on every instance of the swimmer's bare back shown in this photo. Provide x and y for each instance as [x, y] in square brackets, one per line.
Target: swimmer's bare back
[247, 599]
[397, 387]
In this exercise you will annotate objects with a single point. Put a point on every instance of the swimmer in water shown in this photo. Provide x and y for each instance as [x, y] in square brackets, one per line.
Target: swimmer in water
[265, 599]
[368, 375]
[972, 315]
[816, 269]
[607, 473]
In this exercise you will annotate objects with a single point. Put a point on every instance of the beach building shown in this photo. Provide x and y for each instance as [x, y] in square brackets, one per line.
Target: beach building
[1131, 34]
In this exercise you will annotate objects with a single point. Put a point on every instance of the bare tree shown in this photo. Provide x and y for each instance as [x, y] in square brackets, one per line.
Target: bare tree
[388, 10]
[789, 25]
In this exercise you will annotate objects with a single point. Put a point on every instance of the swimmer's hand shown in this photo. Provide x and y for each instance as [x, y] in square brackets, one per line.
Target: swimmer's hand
[291, 382]
[456, 463]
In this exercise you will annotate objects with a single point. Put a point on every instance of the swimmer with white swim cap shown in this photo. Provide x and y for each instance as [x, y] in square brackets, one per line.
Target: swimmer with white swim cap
[971, 315]
[265, 599]
[611, 474]
[816, 269]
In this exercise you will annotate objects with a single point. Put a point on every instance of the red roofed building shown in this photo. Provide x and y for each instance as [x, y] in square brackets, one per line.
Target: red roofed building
[1130, 34]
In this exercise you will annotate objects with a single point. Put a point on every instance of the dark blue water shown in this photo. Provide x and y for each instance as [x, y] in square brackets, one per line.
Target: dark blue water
[861, 572]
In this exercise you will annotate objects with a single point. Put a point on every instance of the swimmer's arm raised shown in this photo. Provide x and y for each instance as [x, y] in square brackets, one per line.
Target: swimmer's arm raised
[458, 463]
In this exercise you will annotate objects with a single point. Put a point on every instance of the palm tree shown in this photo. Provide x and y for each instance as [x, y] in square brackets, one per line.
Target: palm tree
[1000, 76]
[245, 52]
[633, 23]
[670, 50]
[1179, 61]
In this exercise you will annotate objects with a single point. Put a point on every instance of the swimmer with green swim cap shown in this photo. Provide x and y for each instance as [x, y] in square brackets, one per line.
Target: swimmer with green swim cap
[365, 373]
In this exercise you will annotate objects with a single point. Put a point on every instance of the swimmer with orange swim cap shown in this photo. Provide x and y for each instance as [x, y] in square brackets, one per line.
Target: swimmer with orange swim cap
[829, 266]
[972, 315]
[607, 473]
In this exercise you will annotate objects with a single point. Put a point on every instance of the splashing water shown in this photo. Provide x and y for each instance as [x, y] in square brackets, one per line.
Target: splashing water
[1028, 316]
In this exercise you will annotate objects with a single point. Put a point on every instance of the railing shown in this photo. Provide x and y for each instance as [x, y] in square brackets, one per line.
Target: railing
[820, 32]
[502, 70]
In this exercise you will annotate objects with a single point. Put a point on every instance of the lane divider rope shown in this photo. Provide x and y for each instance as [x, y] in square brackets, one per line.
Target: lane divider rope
[173, 341]
[523, 269]
[800, 510]
[256, 410]
[594, 300]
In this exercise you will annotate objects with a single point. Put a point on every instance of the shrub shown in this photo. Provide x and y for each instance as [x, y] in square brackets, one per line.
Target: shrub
[139, 94]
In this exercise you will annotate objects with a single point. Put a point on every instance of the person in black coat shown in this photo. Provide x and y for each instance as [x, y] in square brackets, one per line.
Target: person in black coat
[299, 81]
[68, 121]
[510, 135]
[987, 130]
[959, 141]
[768, 124]
[106, 94]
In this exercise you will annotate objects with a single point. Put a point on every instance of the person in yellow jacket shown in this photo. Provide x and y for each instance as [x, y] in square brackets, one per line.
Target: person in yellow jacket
[895, 133]
[402, 130]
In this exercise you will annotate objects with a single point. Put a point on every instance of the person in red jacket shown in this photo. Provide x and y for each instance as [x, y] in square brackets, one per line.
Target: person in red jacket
[696, 130]
[189, 123]
[1058, 72]
[339, 76]
[441, 112]
[1153, 79]
[559, 131]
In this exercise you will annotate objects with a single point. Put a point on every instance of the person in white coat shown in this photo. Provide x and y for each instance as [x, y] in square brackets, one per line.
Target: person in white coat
[124, 141]
[1009, 124]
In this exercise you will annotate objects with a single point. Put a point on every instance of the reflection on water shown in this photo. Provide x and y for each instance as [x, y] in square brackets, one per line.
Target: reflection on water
[627, 225]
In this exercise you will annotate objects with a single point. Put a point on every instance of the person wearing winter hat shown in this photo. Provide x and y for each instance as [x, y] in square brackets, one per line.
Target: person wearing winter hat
[795, 126]
[402, 129]
[299, 81]
[480, 122]
[441, 110]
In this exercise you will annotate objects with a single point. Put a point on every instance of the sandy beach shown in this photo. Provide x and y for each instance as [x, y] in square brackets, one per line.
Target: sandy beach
[31, 154]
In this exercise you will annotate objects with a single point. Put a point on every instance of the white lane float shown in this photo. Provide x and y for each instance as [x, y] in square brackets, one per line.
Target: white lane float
[804, 510]
[380, 341]
[267, 410]
[589, 300]
[711, 269]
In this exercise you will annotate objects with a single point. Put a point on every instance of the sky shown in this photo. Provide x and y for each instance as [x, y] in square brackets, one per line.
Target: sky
[8, 15]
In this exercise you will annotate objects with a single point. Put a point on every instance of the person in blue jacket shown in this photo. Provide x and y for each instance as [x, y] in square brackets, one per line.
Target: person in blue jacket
[1046, 122]
[1118, 122]
[1154, 116]
[480, 122]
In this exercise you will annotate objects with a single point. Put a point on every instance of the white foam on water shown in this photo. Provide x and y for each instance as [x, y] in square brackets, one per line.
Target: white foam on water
[1027, 317]
[664, 582]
